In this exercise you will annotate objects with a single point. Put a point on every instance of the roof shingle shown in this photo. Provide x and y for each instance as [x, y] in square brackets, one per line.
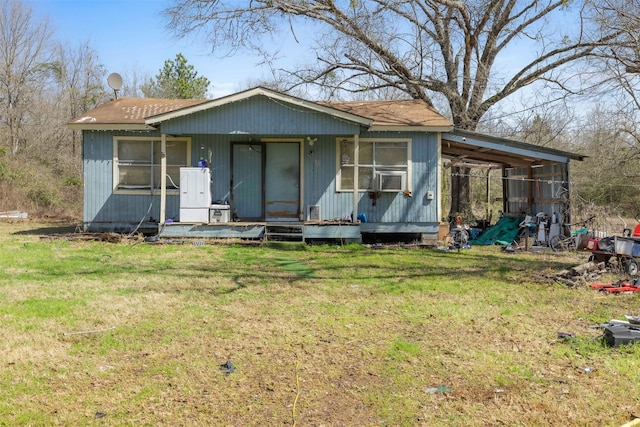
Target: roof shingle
[411, 112]
[133, 110]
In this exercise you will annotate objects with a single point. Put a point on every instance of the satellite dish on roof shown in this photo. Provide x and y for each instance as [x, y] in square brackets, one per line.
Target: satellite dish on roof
[115, 82]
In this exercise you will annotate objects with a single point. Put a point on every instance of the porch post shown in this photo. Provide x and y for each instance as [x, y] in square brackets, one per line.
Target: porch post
[356, 180]
[163, 177]
[439, 192]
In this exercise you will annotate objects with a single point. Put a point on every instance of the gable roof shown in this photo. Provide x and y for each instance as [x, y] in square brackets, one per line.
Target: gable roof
[146, 113]
[241, 96]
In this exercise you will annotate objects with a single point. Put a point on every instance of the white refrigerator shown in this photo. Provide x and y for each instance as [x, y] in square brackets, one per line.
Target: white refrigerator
[195, 194]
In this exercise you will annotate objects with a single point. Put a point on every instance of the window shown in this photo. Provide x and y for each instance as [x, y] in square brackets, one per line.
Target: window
[137, 162]
[382, 165]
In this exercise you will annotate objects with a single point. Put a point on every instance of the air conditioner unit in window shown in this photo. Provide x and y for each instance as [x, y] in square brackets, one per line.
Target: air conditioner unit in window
[392, 180]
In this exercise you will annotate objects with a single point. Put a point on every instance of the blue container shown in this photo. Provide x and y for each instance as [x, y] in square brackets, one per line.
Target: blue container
[475, 233]
[362, 217]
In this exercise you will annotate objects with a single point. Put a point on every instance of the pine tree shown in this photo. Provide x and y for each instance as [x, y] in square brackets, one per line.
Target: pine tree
[177, 79]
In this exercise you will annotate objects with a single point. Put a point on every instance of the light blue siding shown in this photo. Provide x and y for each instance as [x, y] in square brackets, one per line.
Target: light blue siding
[216, 149]
[259, 115]
[100, 204]
[320, 184]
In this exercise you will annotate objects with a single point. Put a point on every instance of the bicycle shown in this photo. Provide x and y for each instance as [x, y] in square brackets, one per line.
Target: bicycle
[570, 239]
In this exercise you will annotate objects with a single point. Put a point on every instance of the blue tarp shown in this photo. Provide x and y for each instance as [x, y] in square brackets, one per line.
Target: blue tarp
[503, 232]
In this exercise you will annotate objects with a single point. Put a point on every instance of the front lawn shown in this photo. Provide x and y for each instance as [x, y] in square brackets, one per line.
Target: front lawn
[131, 333]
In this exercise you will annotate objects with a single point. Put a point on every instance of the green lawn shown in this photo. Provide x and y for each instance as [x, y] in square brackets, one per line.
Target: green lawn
[95, 333]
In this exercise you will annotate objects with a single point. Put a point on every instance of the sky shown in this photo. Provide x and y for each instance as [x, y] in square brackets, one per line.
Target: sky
[131, 35]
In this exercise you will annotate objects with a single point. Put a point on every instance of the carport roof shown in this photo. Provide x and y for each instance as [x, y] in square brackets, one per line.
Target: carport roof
[469, 147]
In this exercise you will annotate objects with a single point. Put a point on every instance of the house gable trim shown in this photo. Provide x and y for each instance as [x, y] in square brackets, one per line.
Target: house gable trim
[109, 126]
[391, 128]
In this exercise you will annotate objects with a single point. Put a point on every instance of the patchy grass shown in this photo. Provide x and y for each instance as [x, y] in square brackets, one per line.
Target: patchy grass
[134, 334]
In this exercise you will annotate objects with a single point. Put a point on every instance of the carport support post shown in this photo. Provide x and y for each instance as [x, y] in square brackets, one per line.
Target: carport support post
[356, 179]
[488, 200]
[567, 207]
[163, 177]
[505, 191]
[530, 190]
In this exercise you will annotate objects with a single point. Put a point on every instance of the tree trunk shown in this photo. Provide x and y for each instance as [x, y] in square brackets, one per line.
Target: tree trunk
[460, 194]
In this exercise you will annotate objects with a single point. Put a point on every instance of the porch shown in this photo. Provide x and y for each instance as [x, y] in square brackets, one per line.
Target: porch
[309, 231]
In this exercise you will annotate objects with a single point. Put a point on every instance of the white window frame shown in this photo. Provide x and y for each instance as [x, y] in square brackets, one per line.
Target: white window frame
[151, 140]
[377, 169]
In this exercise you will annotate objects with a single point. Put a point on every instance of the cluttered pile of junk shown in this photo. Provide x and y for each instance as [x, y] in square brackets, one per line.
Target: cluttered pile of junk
[513, 232]
[546, 232]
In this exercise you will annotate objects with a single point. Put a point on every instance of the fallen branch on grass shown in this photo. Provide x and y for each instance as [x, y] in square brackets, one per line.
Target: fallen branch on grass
[579, 275]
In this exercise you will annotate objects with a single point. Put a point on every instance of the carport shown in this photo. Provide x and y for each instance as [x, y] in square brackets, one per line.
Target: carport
[534, 179]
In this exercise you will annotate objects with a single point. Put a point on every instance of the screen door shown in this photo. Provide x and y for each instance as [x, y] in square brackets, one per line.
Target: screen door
[282, 181]
[246, 191]
[266, 181]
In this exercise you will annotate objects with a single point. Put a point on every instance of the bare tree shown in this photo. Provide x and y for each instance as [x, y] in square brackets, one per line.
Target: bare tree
[80, 83]
[133, 80]
[454, 50]
[23, 51]
[621, 65]
[610, 174]
[544, 126]
[624, 17]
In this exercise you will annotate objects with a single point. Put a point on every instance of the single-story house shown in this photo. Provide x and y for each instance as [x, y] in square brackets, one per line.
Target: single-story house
[261, 164]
